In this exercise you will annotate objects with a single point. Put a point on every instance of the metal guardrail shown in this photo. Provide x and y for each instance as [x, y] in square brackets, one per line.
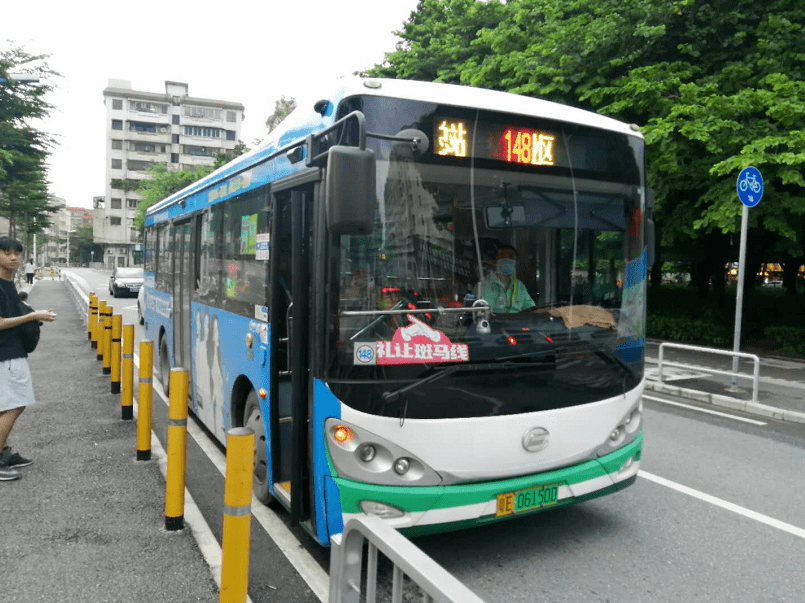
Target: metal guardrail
[346, 561]
[755, 376]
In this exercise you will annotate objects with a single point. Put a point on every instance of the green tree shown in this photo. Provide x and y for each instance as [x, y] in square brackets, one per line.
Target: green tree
[715, 85]
[82, 245]
[23, 148]
[165, 182]
[282, 108]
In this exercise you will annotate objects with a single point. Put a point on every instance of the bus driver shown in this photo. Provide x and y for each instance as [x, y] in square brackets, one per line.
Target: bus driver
[504, 292]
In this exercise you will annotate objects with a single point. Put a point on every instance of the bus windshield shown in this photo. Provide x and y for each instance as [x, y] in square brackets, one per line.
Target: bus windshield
[505, 273]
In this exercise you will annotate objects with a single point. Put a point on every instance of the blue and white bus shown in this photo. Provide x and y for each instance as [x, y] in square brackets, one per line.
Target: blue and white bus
[428, 302]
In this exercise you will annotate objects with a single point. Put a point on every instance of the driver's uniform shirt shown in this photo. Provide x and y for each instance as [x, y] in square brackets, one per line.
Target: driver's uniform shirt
[503, 299]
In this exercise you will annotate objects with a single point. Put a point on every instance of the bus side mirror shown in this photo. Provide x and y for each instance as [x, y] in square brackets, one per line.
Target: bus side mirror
[351, 189]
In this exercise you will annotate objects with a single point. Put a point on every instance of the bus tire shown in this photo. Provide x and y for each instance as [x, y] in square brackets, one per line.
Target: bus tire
[253, 419]
[164, 365]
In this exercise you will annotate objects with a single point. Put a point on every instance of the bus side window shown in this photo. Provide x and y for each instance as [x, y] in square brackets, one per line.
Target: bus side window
[246, 217]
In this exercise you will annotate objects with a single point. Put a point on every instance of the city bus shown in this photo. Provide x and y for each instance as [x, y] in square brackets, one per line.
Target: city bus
[334, 291]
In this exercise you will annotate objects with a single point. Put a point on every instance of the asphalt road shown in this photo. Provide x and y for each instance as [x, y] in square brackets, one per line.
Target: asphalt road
[715, 515]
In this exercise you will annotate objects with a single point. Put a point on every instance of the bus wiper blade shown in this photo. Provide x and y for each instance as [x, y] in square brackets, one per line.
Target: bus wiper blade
[507, 365]
[394, 395]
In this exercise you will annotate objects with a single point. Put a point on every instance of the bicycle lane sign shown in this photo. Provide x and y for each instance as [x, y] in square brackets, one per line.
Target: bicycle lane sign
[750, 186]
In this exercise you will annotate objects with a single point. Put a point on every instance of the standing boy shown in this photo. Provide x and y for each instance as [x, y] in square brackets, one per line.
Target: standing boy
[16, 389]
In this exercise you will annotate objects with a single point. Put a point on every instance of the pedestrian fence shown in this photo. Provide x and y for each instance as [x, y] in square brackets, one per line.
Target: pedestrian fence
[346, 558]
[755, 376]
[346, 566]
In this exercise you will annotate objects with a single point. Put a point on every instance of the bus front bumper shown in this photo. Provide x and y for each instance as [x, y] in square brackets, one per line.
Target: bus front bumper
[433, 509]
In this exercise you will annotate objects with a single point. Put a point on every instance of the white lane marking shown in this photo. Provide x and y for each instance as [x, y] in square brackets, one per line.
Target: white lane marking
[719, 502]
[311, 572]
[711, 412]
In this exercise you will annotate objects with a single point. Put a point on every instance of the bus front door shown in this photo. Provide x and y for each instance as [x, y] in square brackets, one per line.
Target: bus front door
[290, 259]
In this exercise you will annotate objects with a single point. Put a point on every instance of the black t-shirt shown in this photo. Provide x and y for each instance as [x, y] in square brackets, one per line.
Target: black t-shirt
[10, 341]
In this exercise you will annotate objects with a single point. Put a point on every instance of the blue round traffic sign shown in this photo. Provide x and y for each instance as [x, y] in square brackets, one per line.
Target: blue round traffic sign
[750, 186]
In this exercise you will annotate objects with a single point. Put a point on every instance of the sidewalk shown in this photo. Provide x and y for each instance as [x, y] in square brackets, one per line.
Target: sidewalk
[86, 521]
[781, 386]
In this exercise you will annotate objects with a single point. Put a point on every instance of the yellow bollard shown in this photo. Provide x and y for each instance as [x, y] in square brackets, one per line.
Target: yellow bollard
[92, 309]
[107, 339]
[177, 450]
[127, 377]
[144, 397]
[237, 515]
[117, 328]
[97, 327]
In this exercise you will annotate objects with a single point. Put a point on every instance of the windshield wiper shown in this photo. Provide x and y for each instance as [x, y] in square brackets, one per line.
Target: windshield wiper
[497, 366]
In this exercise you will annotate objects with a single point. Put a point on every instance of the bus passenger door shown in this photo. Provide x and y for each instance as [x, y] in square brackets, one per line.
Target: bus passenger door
[289, 344]
[182, 287]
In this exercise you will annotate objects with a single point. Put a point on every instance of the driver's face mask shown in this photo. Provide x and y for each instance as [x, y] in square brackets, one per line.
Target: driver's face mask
[506, 267]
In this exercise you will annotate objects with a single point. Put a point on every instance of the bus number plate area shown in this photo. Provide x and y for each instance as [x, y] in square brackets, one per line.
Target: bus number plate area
[520, 501]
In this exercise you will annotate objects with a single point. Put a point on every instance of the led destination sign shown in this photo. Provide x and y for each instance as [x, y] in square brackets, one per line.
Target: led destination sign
[511, 144]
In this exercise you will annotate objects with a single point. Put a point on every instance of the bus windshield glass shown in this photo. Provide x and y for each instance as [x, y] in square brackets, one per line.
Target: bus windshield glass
[505, 273]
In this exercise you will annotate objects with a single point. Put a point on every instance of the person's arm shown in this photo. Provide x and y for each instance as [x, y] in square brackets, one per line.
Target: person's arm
[15, 321]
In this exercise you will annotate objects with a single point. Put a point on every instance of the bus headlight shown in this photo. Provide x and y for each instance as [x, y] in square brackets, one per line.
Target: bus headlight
[625, 432]
[401, 466]
[364, 456]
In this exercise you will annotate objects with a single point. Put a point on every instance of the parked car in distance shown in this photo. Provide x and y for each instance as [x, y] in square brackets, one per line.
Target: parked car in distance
[125, 281]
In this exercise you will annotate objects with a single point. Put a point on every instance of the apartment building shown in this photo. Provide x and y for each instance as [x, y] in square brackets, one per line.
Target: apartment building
[145, 128]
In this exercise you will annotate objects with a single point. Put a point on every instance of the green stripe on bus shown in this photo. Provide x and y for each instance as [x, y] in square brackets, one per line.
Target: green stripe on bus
[418, 499]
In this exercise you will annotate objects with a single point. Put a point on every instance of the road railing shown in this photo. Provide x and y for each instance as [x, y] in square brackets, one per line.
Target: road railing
[346, 562]
[755, 376]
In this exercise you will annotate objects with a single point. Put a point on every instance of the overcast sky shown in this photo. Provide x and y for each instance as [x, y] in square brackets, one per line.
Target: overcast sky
[252, 52]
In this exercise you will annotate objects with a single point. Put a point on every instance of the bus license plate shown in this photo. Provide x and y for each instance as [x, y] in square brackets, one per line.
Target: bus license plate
[527, 500]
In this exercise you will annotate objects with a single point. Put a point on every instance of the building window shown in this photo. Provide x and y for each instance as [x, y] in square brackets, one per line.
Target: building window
[200, 131]
[116, 203]
[117, 124]
[117, 104]
[144, 126]
[198, 151]
[148, 107]
[230, 116]
[175, 138]
[117, 145]
[175, 119]
[174, 157]
[230, 135]
[113, 221]
[202, 112]
[138, 165]
[132, 203]
[117, 164]
[146, 147]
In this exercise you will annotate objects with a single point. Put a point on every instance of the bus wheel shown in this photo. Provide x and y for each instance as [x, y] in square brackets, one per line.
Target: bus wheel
[164, 365]
[253, 419]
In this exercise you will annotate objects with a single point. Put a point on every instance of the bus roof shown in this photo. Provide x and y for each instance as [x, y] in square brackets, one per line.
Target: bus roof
[306, 120]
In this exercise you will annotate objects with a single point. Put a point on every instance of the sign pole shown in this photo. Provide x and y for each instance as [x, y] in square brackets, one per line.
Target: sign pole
[739, 297]
[750, 190]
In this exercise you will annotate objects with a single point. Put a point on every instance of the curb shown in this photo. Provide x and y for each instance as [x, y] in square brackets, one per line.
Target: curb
[750, 407]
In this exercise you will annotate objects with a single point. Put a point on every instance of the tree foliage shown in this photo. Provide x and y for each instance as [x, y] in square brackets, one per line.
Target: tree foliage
[716, 85]
[165, 182]
[282, 109]
[23, 148]
[82, 245]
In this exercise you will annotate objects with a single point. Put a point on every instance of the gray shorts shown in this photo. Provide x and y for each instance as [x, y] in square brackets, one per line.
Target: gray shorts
[16, 387]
